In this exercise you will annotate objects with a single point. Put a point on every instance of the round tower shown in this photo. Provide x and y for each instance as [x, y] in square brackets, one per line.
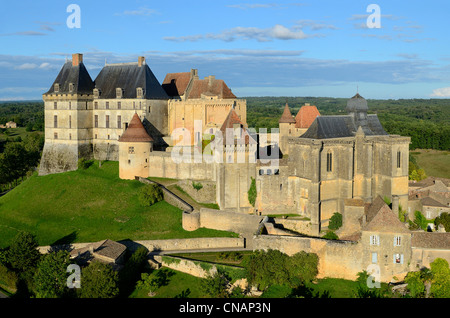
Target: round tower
[135, 146]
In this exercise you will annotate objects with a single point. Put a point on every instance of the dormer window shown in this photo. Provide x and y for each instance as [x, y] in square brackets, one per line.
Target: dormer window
[119, 92]
[56, 87]
[139, 92]
[96, 92]
[70, 87]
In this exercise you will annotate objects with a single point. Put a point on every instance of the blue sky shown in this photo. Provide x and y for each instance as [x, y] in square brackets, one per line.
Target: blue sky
[260, 48]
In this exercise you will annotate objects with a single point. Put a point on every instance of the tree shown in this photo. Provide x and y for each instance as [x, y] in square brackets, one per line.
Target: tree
[99, 280]
[416, 284]
[443, 219]
[51, 275]
[335, 221]
[216, 285]
[23, 253]
[440, 283]
[252, 192]
[150, 194]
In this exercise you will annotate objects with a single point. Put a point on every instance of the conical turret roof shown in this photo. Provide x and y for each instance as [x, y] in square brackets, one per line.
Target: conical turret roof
[135, 132]
[287, 116]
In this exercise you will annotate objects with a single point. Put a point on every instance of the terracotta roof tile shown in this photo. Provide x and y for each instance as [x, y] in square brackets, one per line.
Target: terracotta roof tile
[306, 116]
[213, 87]
[135, 132]
[286, 117]
[175, 84]
[229, 122]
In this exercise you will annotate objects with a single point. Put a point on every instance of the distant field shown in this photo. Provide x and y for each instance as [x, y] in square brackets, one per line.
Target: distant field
[88, 205]
[16, 132]
[435, 163]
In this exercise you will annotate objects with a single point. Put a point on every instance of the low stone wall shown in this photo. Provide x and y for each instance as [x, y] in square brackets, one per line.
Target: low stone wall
[222, 220]
[187, 244]
[206, 194]
[169, 197]
[296, 225]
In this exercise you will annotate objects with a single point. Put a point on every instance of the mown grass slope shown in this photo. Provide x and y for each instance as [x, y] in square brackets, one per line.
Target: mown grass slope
[88, 205]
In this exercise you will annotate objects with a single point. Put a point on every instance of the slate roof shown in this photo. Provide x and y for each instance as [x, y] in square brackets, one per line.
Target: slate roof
[128, 76]
[286, 117]
[135, 132]
[438, 240]
[325, 127]
[306, 116]
[77, 75]
[357, 103]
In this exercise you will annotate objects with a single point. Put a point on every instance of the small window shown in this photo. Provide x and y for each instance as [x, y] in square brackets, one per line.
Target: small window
[55, 135]
[95, 136]
[96, 121]
[374, 240]
[108, 136]
[374, 258]
[55, 121]
[70, 87]
[96, 105]
[269, 172]
[399, 159]
[398, 258]
[329, 162]
[107, 105]
[131, 150]
[397, 241]
[70, 105]
[107, 121]
[119, 121]
[55, 105]
[119, 105]
[70, 136]
[129, 161]
[70, 121]
[261, 172]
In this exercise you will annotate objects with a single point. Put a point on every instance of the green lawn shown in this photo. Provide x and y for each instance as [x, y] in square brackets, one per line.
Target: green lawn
[435, 163]
[88, 205]
[16, 132]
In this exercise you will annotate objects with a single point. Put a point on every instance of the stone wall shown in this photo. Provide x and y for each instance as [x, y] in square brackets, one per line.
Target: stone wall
[222, 220]
[296, 225]
[207, 193]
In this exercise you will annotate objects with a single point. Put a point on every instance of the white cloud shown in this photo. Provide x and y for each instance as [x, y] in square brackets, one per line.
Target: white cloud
[45, 65]
[441, 92]
[277, 32]
[144, 11]
[26, 66]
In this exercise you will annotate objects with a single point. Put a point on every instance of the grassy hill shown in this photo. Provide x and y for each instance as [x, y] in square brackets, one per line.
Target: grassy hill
[435, 163]
[88, 205]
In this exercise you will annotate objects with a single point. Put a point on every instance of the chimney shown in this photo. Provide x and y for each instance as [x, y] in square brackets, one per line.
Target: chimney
[194, 73]
[211, 78]
[395, 204]
[77, 58]
[141, 61]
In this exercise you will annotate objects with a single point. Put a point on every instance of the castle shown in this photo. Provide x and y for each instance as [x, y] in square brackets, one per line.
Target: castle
[193, 129]
[309, 168]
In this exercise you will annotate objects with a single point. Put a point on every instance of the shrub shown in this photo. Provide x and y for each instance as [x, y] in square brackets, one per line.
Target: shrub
[150, 194]
[197, 185]
[331, 236]
[83, 163]
[335, 221]
[252, 192]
